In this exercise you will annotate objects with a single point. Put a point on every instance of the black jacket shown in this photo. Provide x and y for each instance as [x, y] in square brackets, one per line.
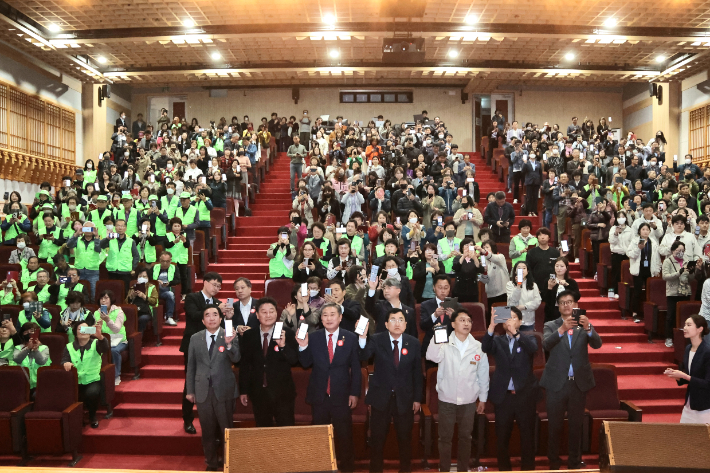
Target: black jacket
[426, 324]
[238, 319]
[419, 276]
[378, 309]
[699, 384]
[194, 306]
[517, 365]
[276, 365]
[466, 288]
[491, 216]
[300, 276]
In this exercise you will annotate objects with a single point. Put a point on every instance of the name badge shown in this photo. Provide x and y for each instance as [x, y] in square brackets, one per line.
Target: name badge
[473, 362]
[645, 263]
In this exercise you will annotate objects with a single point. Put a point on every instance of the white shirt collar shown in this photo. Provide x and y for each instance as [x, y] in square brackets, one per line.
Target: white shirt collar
[438, 301]
[335, 335]
[205, 296]
[245, 306]
[208, 336]
[392, 339]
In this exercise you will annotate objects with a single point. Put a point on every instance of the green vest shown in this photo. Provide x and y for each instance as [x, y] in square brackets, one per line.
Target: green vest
[64, 291]
[42, 295]
[89, 367]
[520, 245]
[380, 250]
[41, 227]
[14, 230]
[85, 257]
[356, 244]
[23, 319]
[104, 328]
[89, 177]
[147, 253]
[445, 249]
[204, 211]
[590, 198]
[26, 276]
[169, 208]
[277, 268]
[69, 231]
[188, 217]
[7, 298]
[178, 251]
[140, 206]
[99, 220]
[131, 222]
[171, 272]
[120, 260]
[32, 367]
[8, 352]
[47, 249]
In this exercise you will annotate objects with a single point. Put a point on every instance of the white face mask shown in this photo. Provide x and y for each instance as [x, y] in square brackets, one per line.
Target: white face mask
[413, 220]
[680, 254]
[21, 245]
[125, 154]
[109, 228]
[688, 161]
[441, 135]
[142, 280]
[170, 191]
[392, 272]
[89, 165]
[621, 220]
[169, 165]
[313, 293]
[72, 207]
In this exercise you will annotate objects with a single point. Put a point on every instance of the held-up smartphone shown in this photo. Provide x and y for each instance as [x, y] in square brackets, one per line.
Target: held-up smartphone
[398, 221]
[304, 290]
[104, 309]
[460, 192]
[7, 316]
[87, 330]
[577, 312]
[35, 334]
[153, 203]
[63, 279]
[75, 216]
[440, 335]
[373, 272]
[278, 329]
[469, 179]
[302, 331]
[284, 235]
[520, 275]
[440, 221]
[362, 228]
[361, 324]
[87, 229]
[565, 246]
[6, 196]
[619, 180]
[501, 314]
[691, 265]
[228, 329]
[328, 291]
[412, 246]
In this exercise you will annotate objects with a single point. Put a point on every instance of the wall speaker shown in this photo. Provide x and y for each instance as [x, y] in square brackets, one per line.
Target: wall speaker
[659, 94]
[636, 447]
[106, 91]
[295, 94]
[653, 89]
[262, 450]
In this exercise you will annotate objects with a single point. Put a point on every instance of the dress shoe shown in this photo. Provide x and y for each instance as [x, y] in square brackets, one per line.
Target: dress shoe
[94, 423]
[579, 466]
[190, 429]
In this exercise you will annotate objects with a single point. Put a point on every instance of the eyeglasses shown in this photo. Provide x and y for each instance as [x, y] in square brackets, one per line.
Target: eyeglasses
[216, 284]
[565, 303]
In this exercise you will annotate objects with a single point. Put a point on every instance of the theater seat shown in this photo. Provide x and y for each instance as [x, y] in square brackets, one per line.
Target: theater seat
[108, 376]
[302, 410]
[477, 311]
[56, 342]
[280, 290]
[654, 305]
[14, 404]
[113, 285]
[54, 426]
[625, 290]
[134, 340]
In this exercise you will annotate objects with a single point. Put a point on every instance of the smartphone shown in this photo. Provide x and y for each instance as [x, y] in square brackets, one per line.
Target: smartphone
[302, 331]
[362, 228]
[577, 312]
[284, 235]
[328, 291]
[341, 230]
[440, 221]
[63, 279]
[520, 275]
[304, 289]
[87, 330]
[470, 215]
[6, 316]
[87, 229]
[552, 276]
[228, 329]
[470, 179]
[35, 334]
[501, 314]
[440, 335]
[460, 192]
[373, 272]
[565, 247]
[104, 309]
[278, 329]
[398, 221]
[67, 182]
[483, 261]
[6, 196]
[224, 177]
[145, 227]
[361, 324]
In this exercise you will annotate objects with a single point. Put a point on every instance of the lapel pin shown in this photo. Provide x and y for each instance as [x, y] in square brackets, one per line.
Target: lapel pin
[340, 343]
[404, 351]
[518, 349]
[477, 357]
[570, 332]
[221, 349]
[302, 318]
[276, 348]
[253, 311]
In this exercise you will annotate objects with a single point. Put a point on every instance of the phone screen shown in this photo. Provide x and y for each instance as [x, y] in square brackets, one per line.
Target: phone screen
[520, 275]
[565, 247]
[373, 272]
[440, 335]
[278, 328]
[304, 290]
[228, 327]
[501, 314]
[302, 331]
[88, 330]
[328, 291]
[361, 324]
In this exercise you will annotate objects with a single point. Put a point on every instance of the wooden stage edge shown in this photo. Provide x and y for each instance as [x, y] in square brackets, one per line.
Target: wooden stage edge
[15, 469]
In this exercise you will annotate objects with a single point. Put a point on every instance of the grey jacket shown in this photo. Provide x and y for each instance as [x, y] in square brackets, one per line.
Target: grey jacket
[201, 368]
[561, 356]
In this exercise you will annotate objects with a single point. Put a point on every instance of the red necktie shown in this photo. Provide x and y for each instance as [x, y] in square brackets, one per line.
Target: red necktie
[265, 347]
[396, 353]
[330, 355]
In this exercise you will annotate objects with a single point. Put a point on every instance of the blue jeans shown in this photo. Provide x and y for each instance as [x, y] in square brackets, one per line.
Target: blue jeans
[547, 218]
[296, 170]
[169, 297]
[116, 355]
[92, 276]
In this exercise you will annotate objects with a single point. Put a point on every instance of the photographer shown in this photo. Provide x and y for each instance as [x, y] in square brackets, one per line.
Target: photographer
[303, 204]
[31, 354]
[14, 224]
[145, 301]
[677, 273]
[562, 202]
[352, 201]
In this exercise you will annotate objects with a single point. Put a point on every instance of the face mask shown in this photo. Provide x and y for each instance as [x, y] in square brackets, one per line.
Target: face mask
[313, 293]
[142, 280]
[392, 272]
[441, 135]
[680, 254]
[687, 177]
[450, 233]
[109, 228]
[621, 220]
[125, 154]
[687, 161]
[170, 191]
[26, 305]
[413, 221]
[169, 165]
[89, 166]
[21, 245]
[72, 207]
[403, 186]
[653, 163]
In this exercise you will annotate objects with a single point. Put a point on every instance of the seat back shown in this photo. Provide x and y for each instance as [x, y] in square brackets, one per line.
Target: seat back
[656, 292]
[56, 390]
[55, 311]
[626, 275]
[605, 254]
[685, 309]
[432, 395]
[117, 287]
[13, 310]
[539, 359]
[477, 311]
[605, 394]
[280, 290]
[14, 388]
[217, 215]
[56, 342]
[131, 322]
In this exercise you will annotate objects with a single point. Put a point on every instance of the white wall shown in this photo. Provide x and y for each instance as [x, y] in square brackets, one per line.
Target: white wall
[691, 98]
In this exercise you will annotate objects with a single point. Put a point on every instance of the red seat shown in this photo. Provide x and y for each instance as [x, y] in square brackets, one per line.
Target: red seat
[219, 229]
[14, 404]
[655, 304]
[280, 290]
[55, 424]
[603, 267]
[625, 290]
[56, 312]
[13, 310]
[113, 285]
[477, 311]
[302, 410]
[134, 340]
[56, 342]
[199, 256]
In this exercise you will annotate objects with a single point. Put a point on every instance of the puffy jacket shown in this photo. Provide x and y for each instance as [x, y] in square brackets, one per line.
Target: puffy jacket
[599, 233]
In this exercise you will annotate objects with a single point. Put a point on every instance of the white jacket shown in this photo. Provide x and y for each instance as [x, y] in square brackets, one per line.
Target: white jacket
[619, 243]
[634, 253]
[521, 296]
[657, 233]
[497, 276]
[460, 380]
[692, 253]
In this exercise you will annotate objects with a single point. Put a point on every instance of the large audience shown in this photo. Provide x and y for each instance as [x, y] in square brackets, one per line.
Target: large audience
[386, 219]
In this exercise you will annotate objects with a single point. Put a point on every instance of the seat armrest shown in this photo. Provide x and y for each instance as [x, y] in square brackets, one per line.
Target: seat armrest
[109, 386]
[203, 261]
[650, 316]
[17, 425]
[72, 419]
[602, 276]
[21, 409]
[679, 342]
[135, 343]
[426, 411]
[635, 412]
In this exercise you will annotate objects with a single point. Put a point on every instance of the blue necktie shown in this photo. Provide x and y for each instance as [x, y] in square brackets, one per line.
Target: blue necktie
[571, 370]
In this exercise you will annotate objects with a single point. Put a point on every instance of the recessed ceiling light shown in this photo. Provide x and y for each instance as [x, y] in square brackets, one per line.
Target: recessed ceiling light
[53, 27]
[569, 56]
[611, 22]
[453, 53]
[328, 18]
[216, 56]
[101, 59]
[471, 19]
[660, 58]
[334, 53]
[188, 23]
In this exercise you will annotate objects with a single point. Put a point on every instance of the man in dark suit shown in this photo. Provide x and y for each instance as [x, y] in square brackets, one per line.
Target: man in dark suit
[244, 307]
[567, 378]
[514, 388]
[265, 369]
[431, 312]
[138, 126]
[334, 385]
[195, 305]
[350, 309]
[121, 121]
[532, 170]
[500, 216]
[396, 387]
[390, 289]
[210, 381]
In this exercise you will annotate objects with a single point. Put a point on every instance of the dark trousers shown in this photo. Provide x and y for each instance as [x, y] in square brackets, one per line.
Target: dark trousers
[521, 408]
[269, 411]
[670, 314]
[492, 300]
[379, 428]
[503, 238]
[187, 414]
[531, 193]
[342, 420]
[517, 181]
[185, 283]
[89, 395]
[615, 274]
[571, 400]
[639, 283]
[595, 251]
[119, 276]
[450, 415]
[215, 417]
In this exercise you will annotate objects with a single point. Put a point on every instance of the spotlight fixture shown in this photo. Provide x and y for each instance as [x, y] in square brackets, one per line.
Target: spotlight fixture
[660, 58]
[329, 18]
[216, 56]
[453, 54]
[188, 23]
[569, 56]
[471, 19]
[334, 53]
[54, 28]
[101, 59]
[611, 22]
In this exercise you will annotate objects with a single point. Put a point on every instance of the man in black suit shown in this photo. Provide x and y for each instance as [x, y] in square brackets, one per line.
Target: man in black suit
[390, 289]
[350, 309]
[532, 170]
[431, 312]
[500, 216]
[334, 385]
[396, 387]
[514, 388]
[244, 307]
[567, 377]
[121, 121]
[138, 126]
[195, 305]
[265, 369]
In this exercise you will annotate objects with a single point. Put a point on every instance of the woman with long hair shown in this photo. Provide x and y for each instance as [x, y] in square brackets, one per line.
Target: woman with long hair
[307, 264]
[524, 294]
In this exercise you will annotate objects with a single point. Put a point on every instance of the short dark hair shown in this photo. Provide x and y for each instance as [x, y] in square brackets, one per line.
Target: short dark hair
[542, 231]
[459, 312]
[440, 277]
[212, 306]
[500, 195]
[337, 282]
[244, 280]
[267, 300]
[700, 322]
[525, 223]
[109, 293]
[212, 276]
[678, 218]
[395, 310]
[562, 294]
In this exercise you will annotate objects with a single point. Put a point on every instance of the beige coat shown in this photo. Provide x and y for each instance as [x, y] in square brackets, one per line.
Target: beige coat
[477, 222]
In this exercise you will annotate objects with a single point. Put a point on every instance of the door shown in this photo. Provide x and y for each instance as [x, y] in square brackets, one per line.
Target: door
[179, 110]
[502, 106]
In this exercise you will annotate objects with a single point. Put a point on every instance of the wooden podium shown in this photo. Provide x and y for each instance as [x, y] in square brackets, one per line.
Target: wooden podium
[269, 450]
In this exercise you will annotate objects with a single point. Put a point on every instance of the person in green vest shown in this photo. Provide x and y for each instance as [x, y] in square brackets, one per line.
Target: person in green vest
[187, 213]
[9, 293]
[204, 207]
[23, 252]
[321, 241]
[87, 254]
[145, 242]
[98, 215]
[9, 338]
[29, 273]
[143, 203]
[84, 354]
[144, 296]
[128, 214]
[89, 172]
[14, 224]
[448, 248]
[157, 217]
[43, 289]
[38, 226]
[520, 243]
[357, 243]
[31, 354]
[166, 275]
[61, 266]
[71, 285]
[122, 255]
[592, 190]
[43, 319]
[71, 214]
[50, 239]
[43, 197]
[73, 311]
[113, 324]
[281, 255]
[178, 246]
